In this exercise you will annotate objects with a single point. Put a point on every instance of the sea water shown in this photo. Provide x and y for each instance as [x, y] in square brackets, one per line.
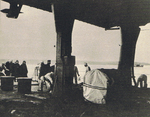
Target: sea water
[137, 70]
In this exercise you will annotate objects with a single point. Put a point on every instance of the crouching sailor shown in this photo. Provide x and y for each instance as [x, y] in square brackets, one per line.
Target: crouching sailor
[142, 78]
[46, 80]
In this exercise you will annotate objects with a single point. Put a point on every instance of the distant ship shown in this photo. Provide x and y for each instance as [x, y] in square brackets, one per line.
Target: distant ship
[138, 65]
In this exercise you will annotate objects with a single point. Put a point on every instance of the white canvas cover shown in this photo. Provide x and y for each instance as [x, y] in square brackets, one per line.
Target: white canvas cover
[95, 86]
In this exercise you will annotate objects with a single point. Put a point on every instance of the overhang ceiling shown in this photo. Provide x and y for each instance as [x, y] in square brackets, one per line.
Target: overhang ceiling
[102, 13]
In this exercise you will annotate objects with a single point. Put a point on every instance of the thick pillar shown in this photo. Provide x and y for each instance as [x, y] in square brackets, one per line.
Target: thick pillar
[64, 23]
[126, 63]
[129, 39]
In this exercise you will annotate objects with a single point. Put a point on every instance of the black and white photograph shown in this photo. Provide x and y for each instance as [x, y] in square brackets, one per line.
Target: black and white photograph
[74, 58]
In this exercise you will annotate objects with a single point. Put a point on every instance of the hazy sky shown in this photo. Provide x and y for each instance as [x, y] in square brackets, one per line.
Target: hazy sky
[33, 36]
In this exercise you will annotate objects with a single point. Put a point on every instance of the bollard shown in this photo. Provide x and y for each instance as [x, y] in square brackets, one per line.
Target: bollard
[24, 84]
[7, 83]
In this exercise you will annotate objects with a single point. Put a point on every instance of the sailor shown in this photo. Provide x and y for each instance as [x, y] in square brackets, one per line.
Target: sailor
[142, 78]
[87, 67]
[76, 74]
[48, 80]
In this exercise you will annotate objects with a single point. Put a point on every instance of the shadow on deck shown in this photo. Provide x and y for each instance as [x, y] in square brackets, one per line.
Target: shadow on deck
[43, 104]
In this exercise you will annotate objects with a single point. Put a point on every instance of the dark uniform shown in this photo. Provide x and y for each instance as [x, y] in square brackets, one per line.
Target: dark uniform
[23, 69]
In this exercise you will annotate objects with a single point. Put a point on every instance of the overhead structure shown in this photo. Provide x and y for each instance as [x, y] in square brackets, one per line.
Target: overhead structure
[127, 14]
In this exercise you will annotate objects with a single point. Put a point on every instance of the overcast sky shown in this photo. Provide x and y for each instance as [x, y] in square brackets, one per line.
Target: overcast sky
[33, 36]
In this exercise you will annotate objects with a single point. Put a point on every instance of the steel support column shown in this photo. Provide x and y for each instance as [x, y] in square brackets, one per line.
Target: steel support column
[64, 24]
[129, 39]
